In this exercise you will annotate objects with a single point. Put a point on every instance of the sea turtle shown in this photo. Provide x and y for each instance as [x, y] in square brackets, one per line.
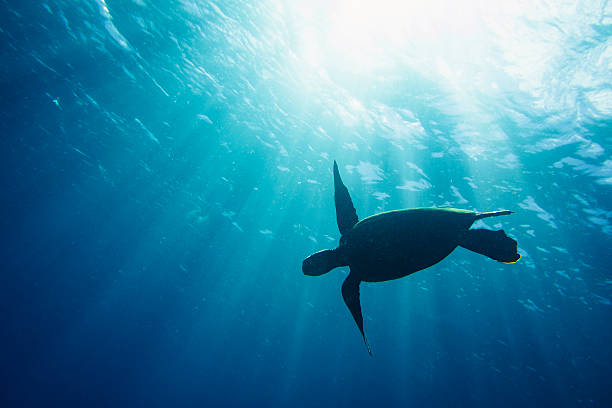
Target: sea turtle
[394, 244]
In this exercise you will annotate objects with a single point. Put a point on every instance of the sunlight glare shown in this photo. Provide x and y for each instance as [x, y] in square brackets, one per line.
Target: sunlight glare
[367, 35]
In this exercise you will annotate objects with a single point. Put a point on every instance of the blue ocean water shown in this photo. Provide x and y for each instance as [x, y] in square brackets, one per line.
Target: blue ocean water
[166, 167]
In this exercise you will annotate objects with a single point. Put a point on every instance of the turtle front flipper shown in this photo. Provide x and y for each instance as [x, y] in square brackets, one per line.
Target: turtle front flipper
[350, 293]
[345, 211]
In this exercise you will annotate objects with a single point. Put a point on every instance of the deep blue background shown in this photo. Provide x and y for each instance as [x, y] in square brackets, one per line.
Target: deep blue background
[166, 167]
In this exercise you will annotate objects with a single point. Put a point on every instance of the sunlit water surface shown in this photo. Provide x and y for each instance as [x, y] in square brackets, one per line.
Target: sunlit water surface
[166, 166]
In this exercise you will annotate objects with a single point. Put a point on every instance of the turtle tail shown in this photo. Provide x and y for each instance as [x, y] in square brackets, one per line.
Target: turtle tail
[493, 214]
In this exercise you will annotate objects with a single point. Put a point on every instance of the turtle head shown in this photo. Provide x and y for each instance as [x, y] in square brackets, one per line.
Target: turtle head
[322, 262]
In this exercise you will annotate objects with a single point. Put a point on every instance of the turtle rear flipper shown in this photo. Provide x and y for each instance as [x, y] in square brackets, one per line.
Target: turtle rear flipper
[346, 216]
[494, 244]
[350, 293]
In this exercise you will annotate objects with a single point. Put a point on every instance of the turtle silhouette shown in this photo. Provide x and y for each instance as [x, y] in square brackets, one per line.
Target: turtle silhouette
[394, 244]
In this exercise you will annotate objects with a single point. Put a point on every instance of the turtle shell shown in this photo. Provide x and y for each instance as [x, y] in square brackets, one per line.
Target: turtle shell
[394, 244]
